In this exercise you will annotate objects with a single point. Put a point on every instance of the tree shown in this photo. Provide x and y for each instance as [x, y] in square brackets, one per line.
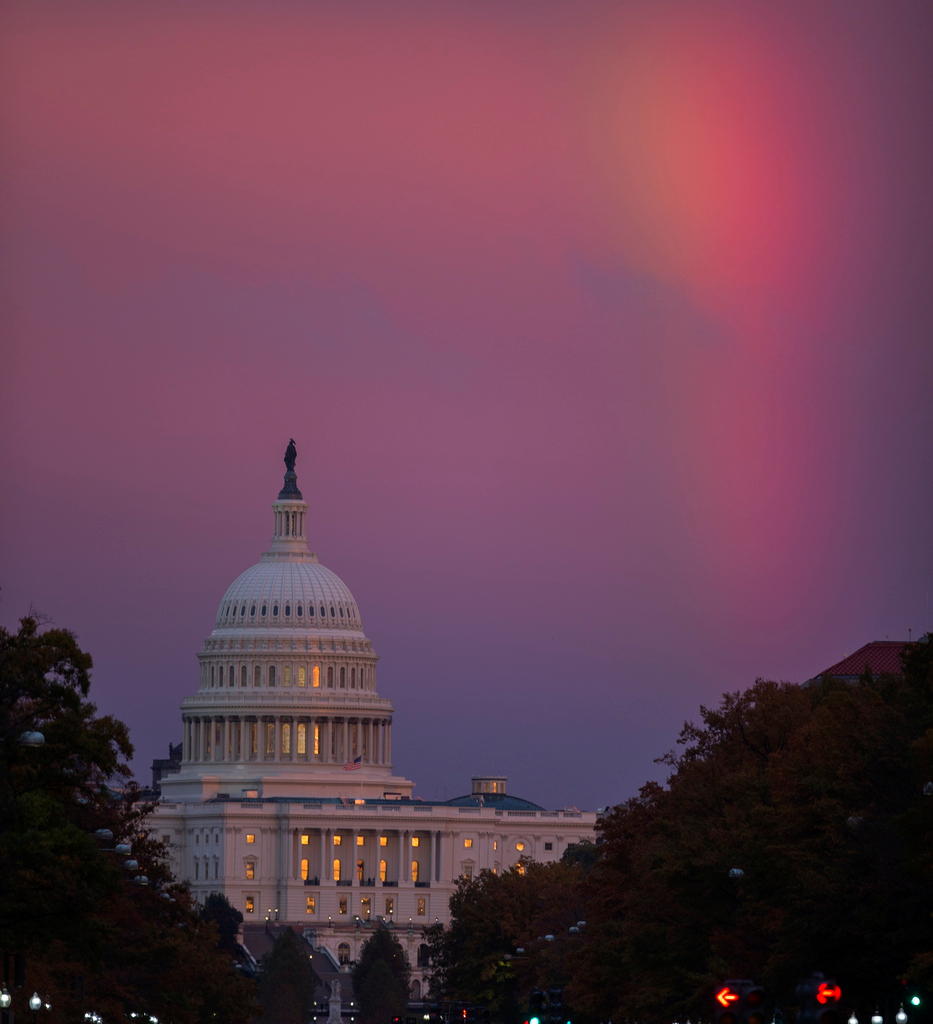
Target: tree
[287, 981]
[495, 951]
[380, 978]
[814, 794]
[218, 909]
[93, 935]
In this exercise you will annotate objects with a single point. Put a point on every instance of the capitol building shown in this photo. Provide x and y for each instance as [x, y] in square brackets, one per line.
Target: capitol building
[285, 799]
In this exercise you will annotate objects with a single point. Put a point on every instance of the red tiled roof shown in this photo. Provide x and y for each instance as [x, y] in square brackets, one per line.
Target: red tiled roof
[883, 657]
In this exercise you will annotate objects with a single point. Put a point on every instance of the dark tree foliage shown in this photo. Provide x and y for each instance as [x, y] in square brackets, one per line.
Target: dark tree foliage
[227, 919]
[380, 978]
[91, 937]
[287, 981]
[496, 950]
[816, 794]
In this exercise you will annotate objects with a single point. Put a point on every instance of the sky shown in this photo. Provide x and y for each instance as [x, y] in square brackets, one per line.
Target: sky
[604, 330]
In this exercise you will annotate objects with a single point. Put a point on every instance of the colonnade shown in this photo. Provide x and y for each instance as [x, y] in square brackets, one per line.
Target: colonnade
[318, 739]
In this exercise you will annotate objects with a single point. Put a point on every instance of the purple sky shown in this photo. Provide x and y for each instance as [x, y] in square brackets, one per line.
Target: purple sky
[604, 331]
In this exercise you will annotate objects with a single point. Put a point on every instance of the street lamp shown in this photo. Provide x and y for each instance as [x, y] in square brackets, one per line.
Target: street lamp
[901, 1016]
[876, 1018]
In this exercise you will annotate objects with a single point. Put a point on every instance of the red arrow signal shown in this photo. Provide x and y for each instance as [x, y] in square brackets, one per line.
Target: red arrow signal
[827, 993]
[725, 996]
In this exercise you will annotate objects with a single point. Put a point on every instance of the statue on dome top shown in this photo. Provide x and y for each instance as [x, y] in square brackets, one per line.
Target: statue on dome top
[291, 453]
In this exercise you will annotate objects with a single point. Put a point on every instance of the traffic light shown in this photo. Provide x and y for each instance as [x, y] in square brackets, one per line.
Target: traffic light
[726, 1000]
[819, 999]
[739, 1001]
[753, 1005]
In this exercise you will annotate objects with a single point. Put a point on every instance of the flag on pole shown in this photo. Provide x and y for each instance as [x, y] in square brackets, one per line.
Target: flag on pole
[356, 763]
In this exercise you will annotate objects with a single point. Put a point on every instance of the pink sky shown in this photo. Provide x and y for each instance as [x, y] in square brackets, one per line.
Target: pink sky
[604, 332]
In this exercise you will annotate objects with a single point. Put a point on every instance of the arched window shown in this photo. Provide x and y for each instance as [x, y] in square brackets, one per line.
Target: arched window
[415, 870]
[305, 869]
[301, 739]
[262, 611]
[252, 612]
[287, 675]
[340, 609]
[337, 869]
[230, 679]
[257, 675]
[311, 610]
[414, 991]
[333, 614]
[343, 676]
[352, 678]
[272, 675]
[316, 675]
[299, 610]
[302, 676]
[286, 738]
[288, 611]
[323, 613]
[242, 675]
[330, 675]
[383, 870]
[275, 610]
[343, 953]
[250, 870]
[212, 675]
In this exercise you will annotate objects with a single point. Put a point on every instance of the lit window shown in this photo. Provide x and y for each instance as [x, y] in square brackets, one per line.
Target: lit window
[310, 905]
[336, 869]
[286, 738]
[366, 907]
[467, 871]
[287, 675]
[301, 738]
[342, 905]
[422, 906]
[519, 847]
[390, 905]
[316, 675]
[360, 841]
[467, 843]
[250, 870]
[250, 838]
[383, 870]
[270, 738]
[495, 844]
[253, 737]
[520, 867]
[305, 869]
[383, 840]
[416, 840]
[415, 870]
[302, 676]
[305, 839]
[317, 741]
[360, 867]
[338, 840]
[343, 950]
[250, 907]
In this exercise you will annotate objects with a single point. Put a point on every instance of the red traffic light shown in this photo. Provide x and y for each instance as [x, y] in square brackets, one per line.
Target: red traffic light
[726, 997]
[827, 992]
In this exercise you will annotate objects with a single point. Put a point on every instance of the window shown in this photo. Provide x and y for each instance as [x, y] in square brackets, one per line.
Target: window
[390, 905]
[272, 675]
[254, 738]
[332, 612]
[301, 738]
[415, 870]
[360, 840]
[323, 613]
[302, 676]
[250, 838]
[305, 839]
[343, 950]
[467, 843]
[422, 906]
[275, 609]
[257, 675]
[310, 905]
[336, 869]
[520, 847]
[305, 869]
[383, 870]
[287, 675]
[366, 907]
[317, 741]
[286, 738]
[467, 870]
[330, 675]
[416, 840]
[495, 844]
[343, 676]
[288, 610]
[252, 611]
[316, 675]
[549, 846]
[300, 610]
[250, 907]
[360, 868]
[197, 868]
[338, 840]
[342, 905]
[230, 677]
[250, 870]
[383, 840]
[262, 611]
[311, 610]
[242, 675]
[270, 738]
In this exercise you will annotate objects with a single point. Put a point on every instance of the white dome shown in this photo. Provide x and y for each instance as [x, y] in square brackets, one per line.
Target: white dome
[300, 594]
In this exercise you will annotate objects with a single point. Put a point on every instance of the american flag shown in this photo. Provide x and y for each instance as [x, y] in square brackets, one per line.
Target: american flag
[356, 763]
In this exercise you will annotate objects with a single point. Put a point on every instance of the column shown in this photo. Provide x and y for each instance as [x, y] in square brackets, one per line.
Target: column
[227, 738]
[346, 738]
[405, 857]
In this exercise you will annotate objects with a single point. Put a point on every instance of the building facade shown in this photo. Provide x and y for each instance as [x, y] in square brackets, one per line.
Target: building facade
[286, 800]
